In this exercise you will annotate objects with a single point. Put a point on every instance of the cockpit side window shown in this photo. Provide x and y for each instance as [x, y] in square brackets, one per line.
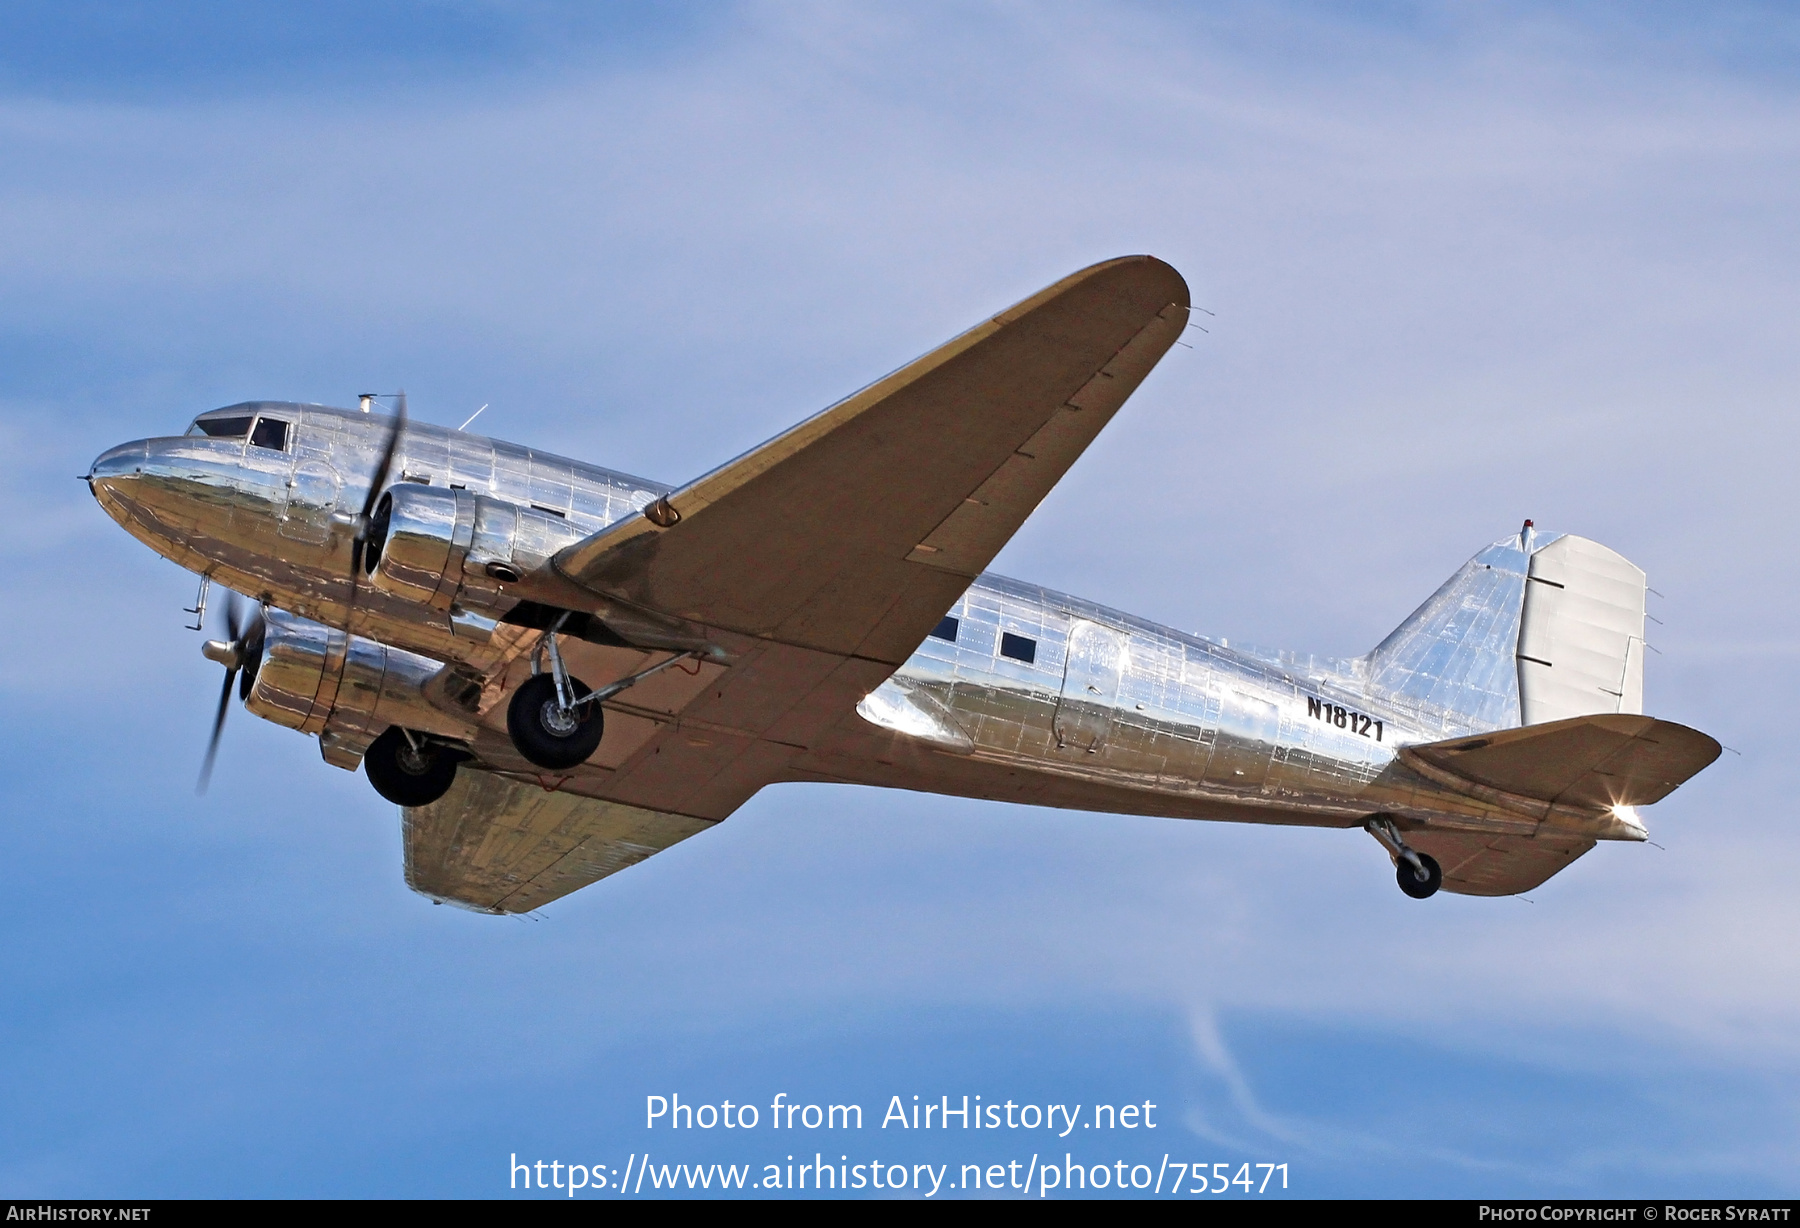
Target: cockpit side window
[221, 428]
[270, 433]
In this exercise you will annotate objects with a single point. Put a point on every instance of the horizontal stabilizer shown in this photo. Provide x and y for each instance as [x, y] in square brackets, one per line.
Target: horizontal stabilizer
[1480, 864]
[1593, 761]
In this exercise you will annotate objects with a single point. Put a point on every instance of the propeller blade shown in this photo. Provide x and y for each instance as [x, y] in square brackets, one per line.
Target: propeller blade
[252, 654]
[377, 484]
[212, 747]
[232, 615]
[241, 652]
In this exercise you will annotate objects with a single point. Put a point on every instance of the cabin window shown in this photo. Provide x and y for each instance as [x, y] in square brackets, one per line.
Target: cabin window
[221, 428]
[270, 433]
[1018, 647]
[945, 630]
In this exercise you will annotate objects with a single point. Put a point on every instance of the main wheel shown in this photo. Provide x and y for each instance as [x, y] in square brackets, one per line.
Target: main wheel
[1412, 884]
[546, 733]
[409, 777]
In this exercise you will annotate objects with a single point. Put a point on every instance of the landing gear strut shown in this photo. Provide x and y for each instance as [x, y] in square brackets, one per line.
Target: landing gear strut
[409, 769]
[555, 721]
[1418, 874]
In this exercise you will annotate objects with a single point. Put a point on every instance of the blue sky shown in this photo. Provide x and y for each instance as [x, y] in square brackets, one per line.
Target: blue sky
[1469, 265]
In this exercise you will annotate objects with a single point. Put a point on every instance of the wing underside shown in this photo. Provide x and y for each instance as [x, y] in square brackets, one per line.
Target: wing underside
[500, 845]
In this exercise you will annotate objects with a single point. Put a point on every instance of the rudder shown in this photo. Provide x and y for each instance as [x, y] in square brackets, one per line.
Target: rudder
[1581, 633]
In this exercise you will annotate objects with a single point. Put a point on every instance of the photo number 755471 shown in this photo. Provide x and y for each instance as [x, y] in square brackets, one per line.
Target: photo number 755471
[1220, 1179]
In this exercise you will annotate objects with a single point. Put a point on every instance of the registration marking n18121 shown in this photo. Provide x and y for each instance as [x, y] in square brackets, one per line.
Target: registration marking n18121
[1343, 718]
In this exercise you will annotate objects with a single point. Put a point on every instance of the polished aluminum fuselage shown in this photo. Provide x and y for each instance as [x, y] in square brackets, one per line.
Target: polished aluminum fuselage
[1034, 696]
[278, 525]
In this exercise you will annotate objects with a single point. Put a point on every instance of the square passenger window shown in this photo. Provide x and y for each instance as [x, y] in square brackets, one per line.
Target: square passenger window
[1018, 648]
[221, 428]
[270, 433]
[945, 630]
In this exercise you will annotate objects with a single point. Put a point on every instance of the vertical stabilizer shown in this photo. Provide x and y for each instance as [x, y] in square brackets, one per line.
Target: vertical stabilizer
[1581, 633]
[1452, 663]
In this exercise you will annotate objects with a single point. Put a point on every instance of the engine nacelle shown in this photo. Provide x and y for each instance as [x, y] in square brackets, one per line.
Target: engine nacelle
[347, 689]
[454, 551]
[411, 540]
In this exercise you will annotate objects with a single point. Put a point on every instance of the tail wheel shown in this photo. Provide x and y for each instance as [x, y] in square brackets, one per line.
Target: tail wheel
[1410, 882]
[410, 771]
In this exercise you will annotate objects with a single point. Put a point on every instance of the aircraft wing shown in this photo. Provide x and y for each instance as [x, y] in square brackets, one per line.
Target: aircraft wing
[818, 561]
[1596, 761]
[1476, 864]
[853, 532]
[504, 846]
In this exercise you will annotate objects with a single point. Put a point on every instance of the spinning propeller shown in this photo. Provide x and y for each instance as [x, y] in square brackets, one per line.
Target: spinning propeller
[242, 650]
[377, 486]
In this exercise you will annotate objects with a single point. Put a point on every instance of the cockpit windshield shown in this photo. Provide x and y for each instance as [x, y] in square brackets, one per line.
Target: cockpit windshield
[221, 428]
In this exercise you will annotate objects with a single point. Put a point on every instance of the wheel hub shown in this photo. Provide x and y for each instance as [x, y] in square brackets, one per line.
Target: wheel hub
[557, 720]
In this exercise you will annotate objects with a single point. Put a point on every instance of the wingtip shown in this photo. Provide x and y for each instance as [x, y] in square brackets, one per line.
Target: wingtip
[1148, 281]
[1156, 266]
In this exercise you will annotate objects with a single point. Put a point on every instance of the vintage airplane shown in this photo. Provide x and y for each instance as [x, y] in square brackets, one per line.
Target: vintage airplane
[558, 670]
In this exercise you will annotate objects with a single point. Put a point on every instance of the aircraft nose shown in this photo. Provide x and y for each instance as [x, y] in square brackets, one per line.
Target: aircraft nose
[115, 470]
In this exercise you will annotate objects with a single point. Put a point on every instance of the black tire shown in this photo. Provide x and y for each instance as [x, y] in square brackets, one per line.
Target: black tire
[543, 735]
[407, 777]
[1409, 877]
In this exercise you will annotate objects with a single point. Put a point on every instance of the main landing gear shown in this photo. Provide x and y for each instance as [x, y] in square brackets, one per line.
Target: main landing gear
[555, 721]
[409, 769]
[1418, 874]
[549, 732]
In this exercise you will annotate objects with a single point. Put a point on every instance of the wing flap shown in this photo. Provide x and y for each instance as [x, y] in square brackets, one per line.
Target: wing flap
[500, 845]
[855, 530]
[1594, 761]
